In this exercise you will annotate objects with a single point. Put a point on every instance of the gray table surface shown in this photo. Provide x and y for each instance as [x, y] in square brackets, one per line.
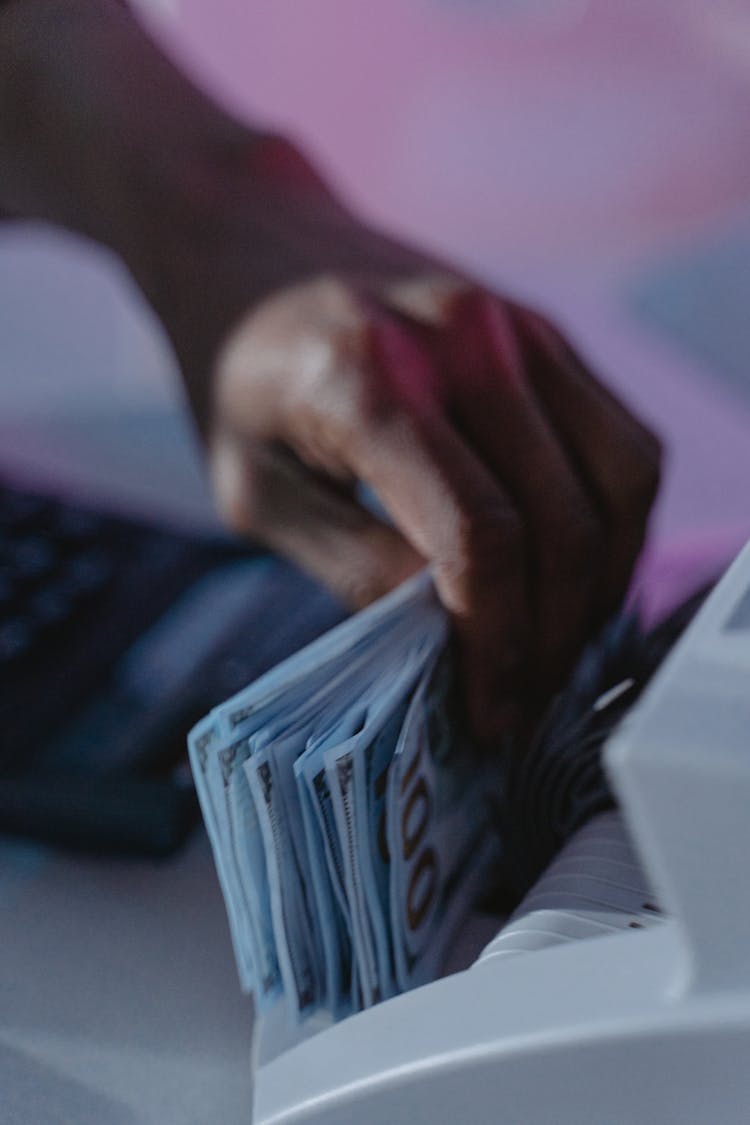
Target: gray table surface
[118, 995]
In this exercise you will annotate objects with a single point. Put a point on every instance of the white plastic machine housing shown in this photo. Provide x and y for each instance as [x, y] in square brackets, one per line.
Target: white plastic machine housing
[646, 1025]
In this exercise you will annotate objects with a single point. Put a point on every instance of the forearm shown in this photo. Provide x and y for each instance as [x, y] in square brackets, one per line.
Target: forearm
[99, 131]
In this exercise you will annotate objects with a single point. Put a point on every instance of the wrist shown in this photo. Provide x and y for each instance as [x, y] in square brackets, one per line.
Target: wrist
[220, 231]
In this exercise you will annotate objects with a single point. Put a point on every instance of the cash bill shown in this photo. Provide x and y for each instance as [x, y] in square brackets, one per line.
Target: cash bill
[439, 829]
[346, 812]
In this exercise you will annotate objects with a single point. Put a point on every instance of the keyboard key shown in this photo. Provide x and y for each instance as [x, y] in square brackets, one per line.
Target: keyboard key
[7, 591]
[51, 607]
[87, 574]
[8, 574]
[16, 639]
[34, 558]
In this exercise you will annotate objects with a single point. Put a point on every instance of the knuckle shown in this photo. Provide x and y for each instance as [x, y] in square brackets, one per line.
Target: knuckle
[535, 322]
[235, 489]
[654, 454]
[235, 510]
[360, 588]
[335, 296]
[649, 448]
[640, 484]
[467, 297]
[632, 470]
[487, 549]
[341, 368]
[330, 393]
[429, 296]
[342, 361]
[572, 544]
[388, 398]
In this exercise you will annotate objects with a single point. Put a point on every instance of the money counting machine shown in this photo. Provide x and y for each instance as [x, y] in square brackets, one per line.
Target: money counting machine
[619, 991]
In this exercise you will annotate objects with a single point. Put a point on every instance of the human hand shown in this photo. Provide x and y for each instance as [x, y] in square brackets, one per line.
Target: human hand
[337, 358]
[498, 457]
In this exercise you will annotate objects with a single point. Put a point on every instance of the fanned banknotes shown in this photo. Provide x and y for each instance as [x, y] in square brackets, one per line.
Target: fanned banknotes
[347, 817]
[353, 829]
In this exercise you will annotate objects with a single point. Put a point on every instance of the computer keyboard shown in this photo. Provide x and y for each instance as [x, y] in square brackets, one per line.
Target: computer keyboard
[76, 587]
[52, 564]
[115, 634]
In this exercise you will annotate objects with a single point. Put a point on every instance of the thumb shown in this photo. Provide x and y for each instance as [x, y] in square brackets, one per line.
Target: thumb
[266, 491]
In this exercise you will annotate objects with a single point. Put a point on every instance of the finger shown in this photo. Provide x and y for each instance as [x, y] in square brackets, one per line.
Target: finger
[497, 409]
[453, 512]
[616, 455]
[268, 493]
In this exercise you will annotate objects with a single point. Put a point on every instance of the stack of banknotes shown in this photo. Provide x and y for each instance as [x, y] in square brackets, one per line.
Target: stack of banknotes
[347, 816]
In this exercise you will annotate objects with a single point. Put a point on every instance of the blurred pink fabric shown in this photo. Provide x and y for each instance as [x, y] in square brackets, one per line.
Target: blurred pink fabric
[480, 130]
